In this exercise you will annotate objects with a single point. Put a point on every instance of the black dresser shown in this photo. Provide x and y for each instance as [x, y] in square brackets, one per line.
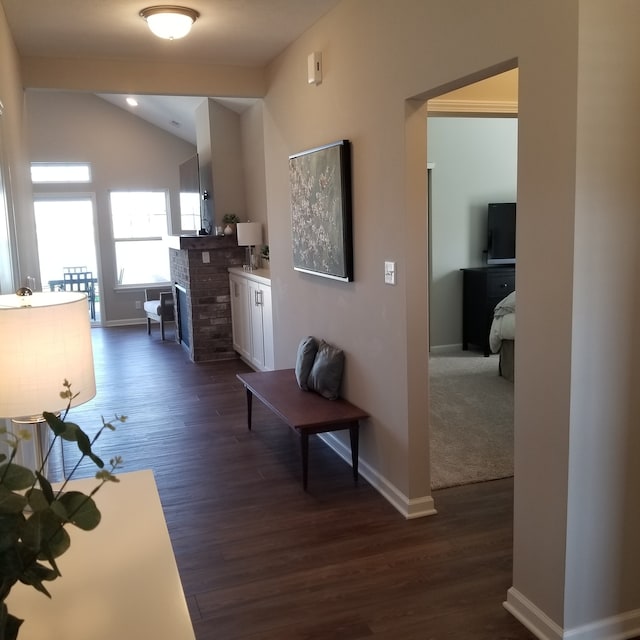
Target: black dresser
[482, 289]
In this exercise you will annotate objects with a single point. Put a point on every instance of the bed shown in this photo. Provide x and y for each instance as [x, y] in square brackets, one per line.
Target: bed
[503, 334]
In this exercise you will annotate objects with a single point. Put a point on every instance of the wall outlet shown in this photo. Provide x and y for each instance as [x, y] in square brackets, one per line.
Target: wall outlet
[205, 257]
[138, 304]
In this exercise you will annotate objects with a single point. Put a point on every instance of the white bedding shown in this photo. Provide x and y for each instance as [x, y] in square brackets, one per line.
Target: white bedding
[503, 326]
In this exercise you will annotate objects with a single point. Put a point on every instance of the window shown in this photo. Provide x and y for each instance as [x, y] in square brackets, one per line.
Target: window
[50, 172]
[139, 220]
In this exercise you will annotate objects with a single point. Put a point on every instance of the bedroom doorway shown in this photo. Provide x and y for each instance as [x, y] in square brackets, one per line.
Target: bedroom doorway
[472, 160]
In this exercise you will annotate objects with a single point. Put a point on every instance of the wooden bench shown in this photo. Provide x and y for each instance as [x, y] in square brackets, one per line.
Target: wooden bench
[306, 412]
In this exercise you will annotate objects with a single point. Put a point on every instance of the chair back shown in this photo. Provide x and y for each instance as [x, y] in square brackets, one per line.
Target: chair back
[78, 281]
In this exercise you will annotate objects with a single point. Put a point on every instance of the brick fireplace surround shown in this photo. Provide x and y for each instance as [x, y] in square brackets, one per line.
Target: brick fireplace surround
[203, 298]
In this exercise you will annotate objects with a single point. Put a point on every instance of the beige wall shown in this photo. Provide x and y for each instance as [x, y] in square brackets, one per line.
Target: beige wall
[575, 529]
[125, 152]
[370, 69]
[254, 166]
[13, 157]
[605, 404]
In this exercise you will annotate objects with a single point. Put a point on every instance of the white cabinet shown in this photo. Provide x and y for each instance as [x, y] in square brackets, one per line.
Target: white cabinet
[252, 318]
[240, 315]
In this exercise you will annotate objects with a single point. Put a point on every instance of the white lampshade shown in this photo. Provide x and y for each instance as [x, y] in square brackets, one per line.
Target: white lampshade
[45, 338]
[169, 21]
[249, 234]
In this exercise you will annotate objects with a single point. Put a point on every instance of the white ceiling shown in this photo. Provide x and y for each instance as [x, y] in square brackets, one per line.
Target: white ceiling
[228, 32]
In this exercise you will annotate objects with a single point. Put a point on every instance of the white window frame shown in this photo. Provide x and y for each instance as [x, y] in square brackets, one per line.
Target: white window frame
[137, 238]
[60, 172]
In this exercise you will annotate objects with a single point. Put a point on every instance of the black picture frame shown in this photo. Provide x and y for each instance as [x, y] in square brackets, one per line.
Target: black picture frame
[321, 211]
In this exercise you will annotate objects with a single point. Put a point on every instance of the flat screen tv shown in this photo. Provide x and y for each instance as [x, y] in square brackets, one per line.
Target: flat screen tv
[501, 233]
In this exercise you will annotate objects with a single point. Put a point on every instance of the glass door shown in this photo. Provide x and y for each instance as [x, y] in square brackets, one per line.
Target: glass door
[67, 252]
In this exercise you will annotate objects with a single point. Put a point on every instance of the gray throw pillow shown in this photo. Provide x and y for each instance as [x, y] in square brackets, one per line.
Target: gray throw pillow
[326, 374]
[307, 350]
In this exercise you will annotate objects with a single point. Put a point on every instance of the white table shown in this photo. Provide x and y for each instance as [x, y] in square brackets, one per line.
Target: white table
[118, 581]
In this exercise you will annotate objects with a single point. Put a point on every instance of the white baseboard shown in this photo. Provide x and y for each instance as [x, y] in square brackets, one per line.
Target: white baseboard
[124, 323]
[445, 348]
[409, 508]
[531, 617]
[619, 627]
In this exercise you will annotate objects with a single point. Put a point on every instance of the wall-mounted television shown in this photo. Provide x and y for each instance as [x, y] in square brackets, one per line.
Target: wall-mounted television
[501, 233]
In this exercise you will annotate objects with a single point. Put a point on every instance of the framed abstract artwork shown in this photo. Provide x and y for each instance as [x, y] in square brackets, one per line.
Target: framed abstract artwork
[320, 182]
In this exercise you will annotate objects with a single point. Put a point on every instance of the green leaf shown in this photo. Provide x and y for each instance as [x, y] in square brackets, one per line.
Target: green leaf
[11, 502]
[82, 510]
[15, 477]
[70, 431]
[45, 485]
[84, 444]
[96, 460]
[44, 534]
[106, 476]
[37, 500]
[57, 425]
[9, 624]
[59, 510]
[36, 573]
[10, 527]
[56, 546]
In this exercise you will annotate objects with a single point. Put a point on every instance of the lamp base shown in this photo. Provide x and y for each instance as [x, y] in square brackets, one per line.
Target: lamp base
[39, 436]
[252, 260]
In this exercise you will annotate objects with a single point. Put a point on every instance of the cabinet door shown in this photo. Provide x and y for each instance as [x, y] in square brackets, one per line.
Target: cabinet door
[256, 297]
[267, 328]
[240, 315]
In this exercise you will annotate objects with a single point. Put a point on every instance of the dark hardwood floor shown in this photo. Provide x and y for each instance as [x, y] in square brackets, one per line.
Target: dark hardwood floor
[259, 558]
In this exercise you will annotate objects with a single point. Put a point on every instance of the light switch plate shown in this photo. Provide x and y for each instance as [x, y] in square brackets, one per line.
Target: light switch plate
[389, 272]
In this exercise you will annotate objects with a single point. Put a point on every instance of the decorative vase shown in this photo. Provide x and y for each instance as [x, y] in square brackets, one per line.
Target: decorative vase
[228, 230]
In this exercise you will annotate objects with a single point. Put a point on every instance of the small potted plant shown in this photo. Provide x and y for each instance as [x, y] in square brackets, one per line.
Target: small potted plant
[264, 254]
[34, 515]
[230, 220]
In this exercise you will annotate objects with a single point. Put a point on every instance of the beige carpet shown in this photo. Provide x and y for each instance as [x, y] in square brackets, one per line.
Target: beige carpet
[471, 410]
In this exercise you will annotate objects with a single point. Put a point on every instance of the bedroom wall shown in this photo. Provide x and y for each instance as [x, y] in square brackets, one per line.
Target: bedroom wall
[475, 162]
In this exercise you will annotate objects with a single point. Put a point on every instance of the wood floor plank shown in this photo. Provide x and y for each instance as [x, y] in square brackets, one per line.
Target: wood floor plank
[261, 559]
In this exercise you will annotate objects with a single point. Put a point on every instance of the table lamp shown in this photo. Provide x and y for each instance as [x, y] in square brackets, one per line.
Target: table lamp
[45, 338]
[249, 235]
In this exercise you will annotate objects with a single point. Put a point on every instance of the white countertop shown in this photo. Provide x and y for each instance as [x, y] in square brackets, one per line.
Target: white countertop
[259, 275]
[118, 581]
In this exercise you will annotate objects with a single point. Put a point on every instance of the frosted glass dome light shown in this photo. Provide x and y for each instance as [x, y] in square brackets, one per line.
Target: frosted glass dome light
[169, 21]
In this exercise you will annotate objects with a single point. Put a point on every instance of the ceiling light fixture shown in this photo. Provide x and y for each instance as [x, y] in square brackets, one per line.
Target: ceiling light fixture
[169, 21]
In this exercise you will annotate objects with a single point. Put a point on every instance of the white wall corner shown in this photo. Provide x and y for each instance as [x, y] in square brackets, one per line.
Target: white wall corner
[409, 508]
[620, 627]
[531, 617]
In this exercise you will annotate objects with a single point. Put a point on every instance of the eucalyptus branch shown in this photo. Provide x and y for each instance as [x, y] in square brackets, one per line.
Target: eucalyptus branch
[34, 538]
[105, 425]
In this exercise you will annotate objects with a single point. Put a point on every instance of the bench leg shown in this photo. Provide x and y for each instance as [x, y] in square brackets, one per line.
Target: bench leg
[354, 435]
[304, 445]
[249, 406]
